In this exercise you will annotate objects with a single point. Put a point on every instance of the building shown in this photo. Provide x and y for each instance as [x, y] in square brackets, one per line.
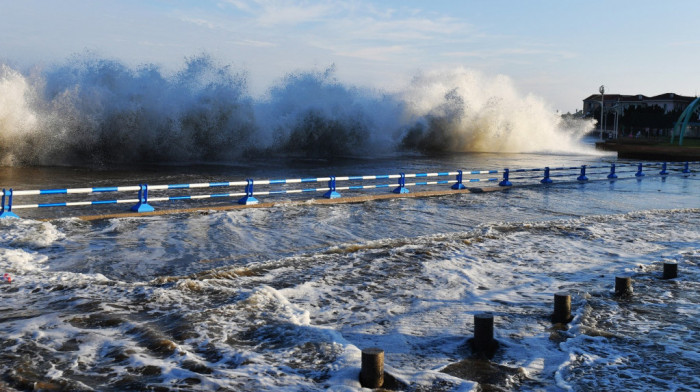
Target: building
[669, 102]
[639, 115]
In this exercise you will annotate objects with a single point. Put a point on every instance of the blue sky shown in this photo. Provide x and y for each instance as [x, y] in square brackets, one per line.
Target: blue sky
[558, 50]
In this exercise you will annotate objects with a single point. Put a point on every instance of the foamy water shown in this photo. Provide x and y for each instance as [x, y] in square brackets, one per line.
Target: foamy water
[286, 298]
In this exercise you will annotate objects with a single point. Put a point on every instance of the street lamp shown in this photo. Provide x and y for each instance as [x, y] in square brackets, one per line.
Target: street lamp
[602, 106]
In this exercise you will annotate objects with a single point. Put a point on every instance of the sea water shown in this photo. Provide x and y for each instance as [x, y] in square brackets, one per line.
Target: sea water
[286, 297]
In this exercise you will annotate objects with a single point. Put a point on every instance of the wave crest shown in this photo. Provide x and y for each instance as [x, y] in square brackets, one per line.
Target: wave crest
[99, 111]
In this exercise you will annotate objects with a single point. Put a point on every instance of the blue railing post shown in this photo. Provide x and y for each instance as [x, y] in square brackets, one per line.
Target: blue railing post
[505, 182]
[546, 179]
[402, 185]
[663, 171]
[686, 168]
[459, 185]
[612, 174]
[582, 177]
[248, 199]
[331, 194]
[7, 213]
[143, 205]
[639, 171]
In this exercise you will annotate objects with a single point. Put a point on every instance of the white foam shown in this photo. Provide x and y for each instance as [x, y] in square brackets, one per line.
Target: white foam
[25, 233]
[18, 261]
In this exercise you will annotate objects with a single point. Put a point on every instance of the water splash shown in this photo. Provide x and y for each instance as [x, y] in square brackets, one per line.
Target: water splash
[463, 110]
[98, 111]
[17, 119]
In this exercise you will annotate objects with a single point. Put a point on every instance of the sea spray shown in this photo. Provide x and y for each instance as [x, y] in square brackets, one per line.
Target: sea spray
[313, 114]
[17, 119]
[123, 115]
[92, 110]
[463, 110]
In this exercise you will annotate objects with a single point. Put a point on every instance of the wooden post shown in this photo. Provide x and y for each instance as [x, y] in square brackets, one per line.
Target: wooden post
[372, 373]
[483, 332]
[562, 308]
[623, 285]
[670, 270]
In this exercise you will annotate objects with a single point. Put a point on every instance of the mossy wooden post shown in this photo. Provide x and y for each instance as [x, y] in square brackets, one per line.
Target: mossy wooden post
[562, 308]
[372, 373]
[623, 285]
[670, 270]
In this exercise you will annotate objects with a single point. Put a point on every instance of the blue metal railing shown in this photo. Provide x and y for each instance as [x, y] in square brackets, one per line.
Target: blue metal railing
[248, 194]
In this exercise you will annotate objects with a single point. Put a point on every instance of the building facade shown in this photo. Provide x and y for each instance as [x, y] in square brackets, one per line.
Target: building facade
[639, 115]
[669, 102]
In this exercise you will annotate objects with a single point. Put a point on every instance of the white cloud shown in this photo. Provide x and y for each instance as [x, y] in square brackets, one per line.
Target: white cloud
[512, 53]
[271, 13]
[377, 53]
[292, 15]
[339, 19]
[241, 5]
[200, 22]
[349, 29]
[254, 43]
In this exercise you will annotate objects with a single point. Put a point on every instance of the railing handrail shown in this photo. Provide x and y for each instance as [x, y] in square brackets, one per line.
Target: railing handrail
[331, 190]
[131, 188]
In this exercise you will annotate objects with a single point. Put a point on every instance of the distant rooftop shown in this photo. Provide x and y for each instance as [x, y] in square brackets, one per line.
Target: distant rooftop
[671, 97]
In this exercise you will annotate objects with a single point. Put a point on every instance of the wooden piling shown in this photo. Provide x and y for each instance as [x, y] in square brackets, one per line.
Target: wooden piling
[562, 308]
[623, 285]
[483, 332]
[372, 373]
[670, 270]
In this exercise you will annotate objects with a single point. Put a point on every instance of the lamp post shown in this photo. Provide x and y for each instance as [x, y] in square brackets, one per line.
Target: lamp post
[602, 107]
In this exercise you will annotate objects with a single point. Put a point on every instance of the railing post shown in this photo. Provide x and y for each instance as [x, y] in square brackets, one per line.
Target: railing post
[459, 184]
[663, 171]
[686, 168]
[505, 181]
[143, 205]
[402, 185]
[546, 179]
[248, 199]
[639, 171]
[612, 174]
[582, 177]
[7, 213]
[331, 194]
